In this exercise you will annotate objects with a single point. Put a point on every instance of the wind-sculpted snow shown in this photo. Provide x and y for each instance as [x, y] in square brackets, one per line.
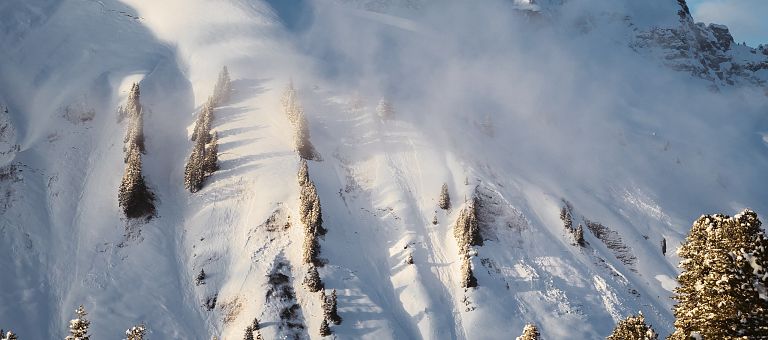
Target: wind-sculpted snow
[514, 106]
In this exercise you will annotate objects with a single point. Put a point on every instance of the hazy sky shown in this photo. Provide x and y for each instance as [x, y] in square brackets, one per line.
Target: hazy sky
[746, 18]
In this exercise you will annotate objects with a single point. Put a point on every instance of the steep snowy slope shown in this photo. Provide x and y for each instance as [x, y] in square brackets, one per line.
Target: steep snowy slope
[517, 106]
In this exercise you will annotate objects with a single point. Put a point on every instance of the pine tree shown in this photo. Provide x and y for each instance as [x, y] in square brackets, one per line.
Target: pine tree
[578, 236]
[312, 280]
[663, 246]
[311, 216]
[248, 333]
[468, 279]
[302, 140]
[78, 328]
[530, 332]
[136, 332]
[193, 171]
[133, 106]
[467, 231]
[200, 279]
[8, 336]
[385, 110]
[303, 175]
[330, 309]
[324, 329]
[445, 199]
[409, 259]
[290, 103]
[211, 156]
[134, 136]
[134, 196]
[223, 89]
[256, 327]
[724, 262]
[203, 122]
[633, 328]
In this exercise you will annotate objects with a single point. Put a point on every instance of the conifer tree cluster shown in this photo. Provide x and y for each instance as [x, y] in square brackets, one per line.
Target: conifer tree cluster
[330, 313]
[467, 234]
[295, 113]
[78, 327]
[445, 199]
[311, 215]
[530, 332]
[566, 215]
[312, 279]
[722, 286]
[633, 328]
[134, 196]
[204, 159]
[222, 92]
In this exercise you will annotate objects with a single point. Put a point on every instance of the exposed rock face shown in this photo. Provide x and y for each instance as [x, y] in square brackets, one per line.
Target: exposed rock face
[704, 51]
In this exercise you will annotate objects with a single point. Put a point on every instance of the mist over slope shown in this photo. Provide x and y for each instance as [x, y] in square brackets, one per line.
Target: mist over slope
[638, 118]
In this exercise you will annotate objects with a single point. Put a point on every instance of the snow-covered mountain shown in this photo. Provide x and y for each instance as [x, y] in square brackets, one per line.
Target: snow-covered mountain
[627, 115]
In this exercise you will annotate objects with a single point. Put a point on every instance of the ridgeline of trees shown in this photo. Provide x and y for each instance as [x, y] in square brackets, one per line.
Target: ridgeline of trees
[134, 196]
[203, 161]
[467, 234]
[295, 112]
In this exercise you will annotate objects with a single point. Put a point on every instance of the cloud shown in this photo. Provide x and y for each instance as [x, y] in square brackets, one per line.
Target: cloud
[745, 18]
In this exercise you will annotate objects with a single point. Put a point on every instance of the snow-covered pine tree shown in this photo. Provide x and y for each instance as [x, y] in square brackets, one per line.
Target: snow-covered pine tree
[530, 332]
[302, 141]
[78, 327]
[633, 328]
[330, 309]
[290, 103]
[248, 333]
[310, 210]
[303, 174]
[211, 157]
[310, 215]
[385, 110]
[467, 231]
[133, 106]
[578, 236]
[193, 170]
[565, 215]
[312, 279]
[223, 89]
[311, 249]
[324, 329]
[445, 199]
[8, 335]
[724, 262]
[134, 196]
[203, 122]
[468, 279]
[134, 136]
[409, 259]
[136, 332]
